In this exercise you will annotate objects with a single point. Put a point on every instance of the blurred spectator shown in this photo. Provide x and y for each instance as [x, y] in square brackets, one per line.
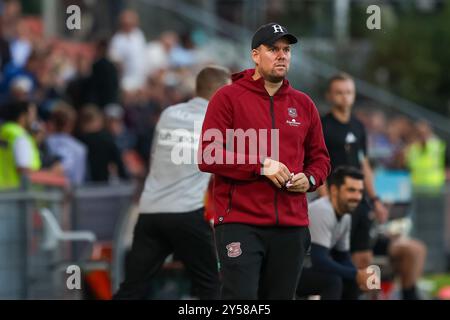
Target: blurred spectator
[126, 141]
[18, 151]
[78, 87]
[60, 143]
[21, 46]
[5, 54]
[21, 88]
[183, 55]
[29, 72]
[104, 83]
[379, 147]
[115, 125]
[104, 158]
[127, 48]
[49, 162]
[398, 132]
[12, 12]
[426, 159]
[158, 52]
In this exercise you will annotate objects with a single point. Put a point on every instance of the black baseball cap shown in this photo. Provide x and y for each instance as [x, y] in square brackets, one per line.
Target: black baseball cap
[270, 33]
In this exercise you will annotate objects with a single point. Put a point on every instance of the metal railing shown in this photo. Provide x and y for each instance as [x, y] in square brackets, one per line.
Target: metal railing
[27, 270]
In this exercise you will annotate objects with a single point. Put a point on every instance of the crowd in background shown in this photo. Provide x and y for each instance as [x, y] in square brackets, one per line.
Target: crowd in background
[98, 102]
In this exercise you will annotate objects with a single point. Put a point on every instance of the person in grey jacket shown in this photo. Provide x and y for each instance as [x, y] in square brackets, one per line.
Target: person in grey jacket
[172, 203]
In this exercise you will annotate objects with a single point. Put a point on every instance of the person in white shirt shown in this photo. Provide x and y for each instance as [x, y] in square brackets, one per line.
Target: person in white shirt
[332, 275]
[171, 206]
[127, 49]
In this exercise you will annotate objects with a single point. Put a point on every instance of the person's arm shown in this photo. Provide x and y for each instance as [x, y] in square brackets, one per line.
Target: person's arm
[212, 153]
[317, 159]
[322, 261]
[116, 158]
[368, 178]
[381, 212]
[344, 258]
[323, 190]
[22, 150]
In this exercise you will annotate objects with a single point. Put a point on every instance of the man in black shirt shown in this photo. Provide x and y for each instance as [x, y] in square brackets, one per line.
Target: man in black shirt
[345, 138]
[104, 79]
[104, 157]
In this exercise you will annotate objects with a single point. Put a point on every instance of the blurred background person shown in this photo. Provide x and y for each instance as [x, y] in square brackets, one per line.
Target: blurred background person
[127, 49]
[19, 154]
[104, 158]
[29, 72]
[346, 140]
[115, 125]
[171, 219]
[61, 144]
[425, 158]
[104, 79]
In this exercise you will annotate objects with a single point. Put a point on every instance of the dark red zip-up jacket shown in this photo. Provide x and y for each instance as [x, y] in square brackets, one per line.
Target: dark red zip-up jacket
[240, 193]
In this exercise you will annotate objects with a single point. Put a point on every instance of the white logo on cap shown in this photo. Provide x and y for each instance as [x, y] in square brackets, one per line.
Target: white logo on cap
[277, 28]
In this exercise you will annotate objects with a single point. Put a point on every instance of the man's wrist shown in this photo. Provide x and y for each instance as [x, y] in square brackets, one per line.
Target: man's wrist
[311, 181]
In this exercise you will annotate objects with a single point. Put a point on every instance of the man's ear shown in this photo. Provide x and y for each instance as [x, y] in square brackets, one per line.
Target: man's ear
[255, 56]
[333, 190]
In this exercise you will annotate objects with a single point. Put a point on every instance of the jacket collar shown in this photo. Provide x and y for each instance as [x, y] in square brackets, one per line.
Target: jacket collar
[244, 78]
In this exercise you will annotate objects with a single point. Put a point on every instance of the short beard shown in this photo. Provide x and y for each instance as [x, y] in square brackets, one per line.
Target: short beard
[271, 78]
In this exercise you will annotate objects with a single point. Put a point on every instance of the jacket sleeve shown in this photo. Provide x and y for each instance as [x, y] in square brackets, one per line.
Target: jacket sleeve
[212, 154]
[317, 159]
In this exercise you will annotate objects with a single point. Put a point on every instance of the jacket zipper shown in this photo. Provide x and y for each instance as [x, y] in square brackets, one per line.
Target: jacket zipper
[230, 196]
[275, 201]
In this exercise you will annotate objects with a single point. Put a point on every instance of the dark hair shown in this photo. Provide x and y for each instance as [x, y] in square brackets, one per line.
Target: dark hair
[210, 79]
[342, 76]
[13, 110]
[62, 116]
[338, 176]
[90, 113]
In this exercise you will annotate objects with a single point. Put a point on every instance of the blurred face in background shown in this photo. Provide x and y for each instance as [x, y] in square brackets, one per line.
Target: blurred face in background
[341, 94]
[423, 130]
[31, 116]
[348, 195]
[128, 21]
[378, 122]
[272, 61]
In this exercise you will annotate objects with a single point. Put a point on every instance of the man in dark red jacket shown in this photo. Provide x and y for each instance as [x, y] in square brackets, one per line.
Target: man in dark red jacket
[263, 141]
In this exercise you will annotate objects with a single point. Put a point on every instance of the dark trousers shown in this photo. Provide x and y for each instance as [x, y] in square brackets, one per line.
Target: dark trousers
[260, 262]
[187, 236]
[328, 286]
[360, 239]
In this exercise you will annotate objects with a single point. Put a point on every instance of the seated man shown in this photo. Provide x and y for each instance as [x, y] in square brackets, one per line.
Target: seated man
[332, 274]
[407, 258]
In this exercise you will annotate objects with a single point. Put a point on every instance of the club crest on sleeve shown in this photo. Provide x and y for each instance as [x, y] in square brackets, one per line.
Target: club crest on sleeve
[234, 249]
